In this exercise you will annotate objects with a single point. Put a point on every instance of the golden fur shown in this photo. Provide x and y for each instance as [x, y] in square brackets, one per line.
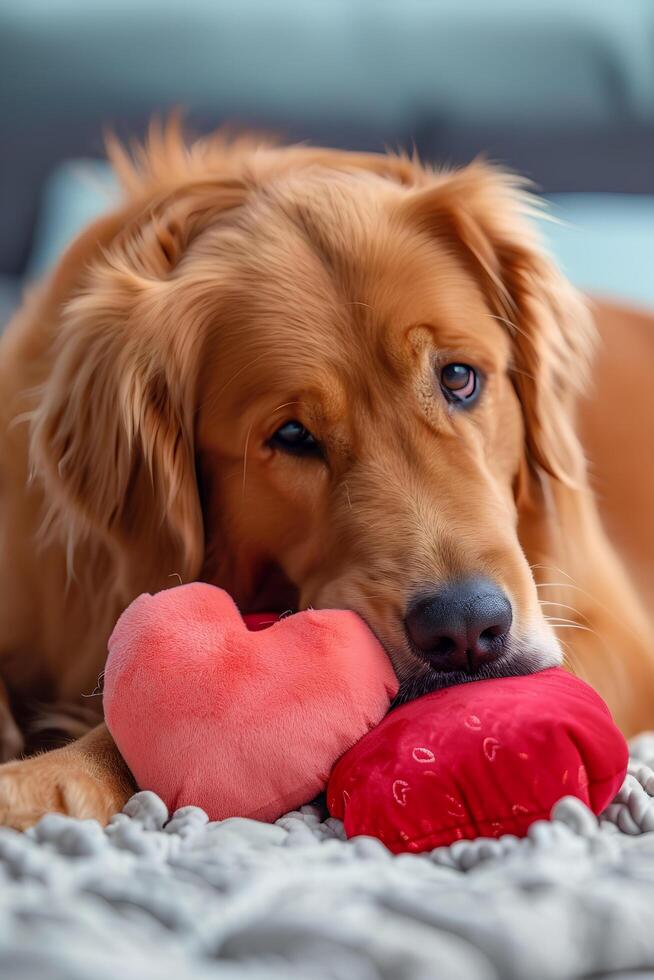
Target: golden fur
[242, 284]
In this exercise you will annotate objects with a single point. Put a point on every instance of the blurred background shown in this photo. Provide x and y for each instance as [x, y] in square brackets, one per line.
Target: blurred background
[560, 90]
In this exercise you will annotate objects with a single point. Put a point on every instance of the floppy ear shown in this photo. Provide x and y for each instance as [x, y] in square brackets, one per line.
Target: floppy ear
[112, 433]
[485, 212]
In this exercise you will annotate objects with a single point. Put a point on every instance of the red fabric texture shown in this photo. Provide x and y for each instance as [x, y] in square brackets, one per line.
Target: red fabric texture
[260, 621]
[481, 759]
[240, 723]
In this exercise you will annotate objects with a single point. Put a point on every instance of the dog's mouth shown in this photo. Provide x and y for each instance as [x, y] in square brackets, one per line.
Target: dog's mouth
[427, 679]
[273, 592]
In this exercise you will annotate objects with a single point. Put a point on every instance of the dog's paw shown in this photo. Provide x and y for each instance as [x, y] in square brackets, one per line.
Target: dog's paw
[55, 782]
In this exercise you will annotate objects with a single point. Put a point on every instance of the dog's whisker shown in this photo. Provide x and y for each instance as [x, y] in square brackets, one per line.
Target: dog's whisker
[573, 626]
[516, 328]
[564, 585]
[285, 405]
[559, 621]
[562, 605]
[237, 374]
[524, 374]
[606, 609]
[565, 625]
[552, 568]
[555, 602]
[568, 660]
[245, 457]
[97, 690]
[502, 319]
[562, 618]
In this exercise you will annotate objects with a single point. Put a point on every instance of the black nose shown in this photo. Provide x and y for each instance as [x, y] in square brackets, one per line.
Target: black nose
[460, 626]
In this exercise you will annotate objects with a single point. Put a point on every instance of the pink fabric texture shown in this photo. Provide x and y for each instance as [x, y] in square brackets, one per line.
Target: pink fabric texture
[241, 723]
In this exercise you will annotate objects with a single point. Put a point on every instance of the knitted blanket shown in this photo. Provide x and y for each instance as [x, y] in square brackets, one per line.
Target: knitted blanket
[153, 896]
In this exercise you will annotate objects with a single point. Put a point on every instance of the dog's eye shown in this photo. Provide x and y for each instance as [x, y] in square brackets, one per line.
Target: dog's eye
[292, 437]
[460, 383]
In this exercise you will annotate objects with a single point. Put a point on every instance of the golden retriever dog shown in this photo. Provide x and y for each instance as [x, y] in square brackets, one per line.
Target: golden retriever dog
[314, 378]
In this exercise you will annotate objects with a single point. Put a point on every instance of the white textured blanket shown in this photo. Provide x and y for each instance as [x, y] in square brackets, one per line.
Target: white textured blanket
[182, 898]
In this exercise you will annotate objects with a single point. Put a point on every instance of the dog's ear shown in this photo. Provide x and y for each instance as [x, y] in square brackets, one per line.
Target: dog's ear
[485, 213]
[112, 432]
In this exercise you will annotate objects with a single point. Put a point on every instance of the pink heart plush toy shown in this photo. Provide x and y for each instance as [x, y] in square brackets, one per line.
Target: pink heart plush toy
[253, 724]
[242, 723]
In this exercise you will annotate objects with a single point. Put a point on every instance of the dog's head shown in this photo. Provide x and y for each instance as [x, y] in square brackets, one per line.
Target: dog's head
[326, 380]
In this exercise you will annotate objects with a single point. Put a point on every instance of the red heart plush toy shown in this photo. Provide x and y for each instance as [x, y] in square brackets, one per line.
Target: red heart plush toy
[479, 760]
[246, 723]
